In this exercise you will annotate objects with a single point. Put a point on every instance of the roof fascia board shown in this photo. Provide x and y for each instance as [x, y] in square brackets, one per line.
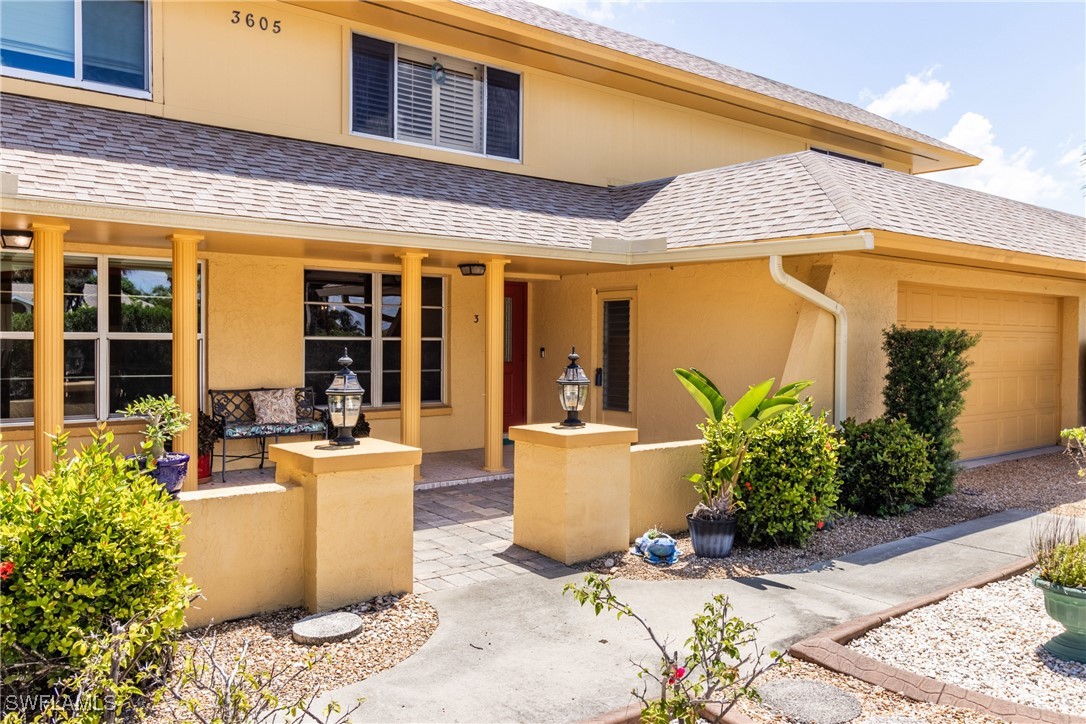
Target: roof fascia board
[940, 250]
[619, 61]
[650, 255]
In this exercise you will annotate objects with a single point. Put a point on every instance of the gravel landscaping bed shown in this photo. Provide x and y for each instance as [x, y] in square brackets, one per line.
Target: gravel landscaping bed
[986, 640]
[1042, 483]
[394, 627]
[877, 704]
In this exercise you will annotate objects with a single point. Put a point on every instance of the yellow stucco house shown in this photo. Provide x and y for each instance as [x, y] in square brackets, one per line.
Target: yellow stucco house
[225, 195]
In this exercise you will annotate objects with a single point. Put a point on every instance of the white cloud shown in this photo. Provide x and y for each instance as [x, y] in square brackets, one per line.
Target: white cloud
[598, 11]
[917, 94]
[1073, 156]
[1012, 175]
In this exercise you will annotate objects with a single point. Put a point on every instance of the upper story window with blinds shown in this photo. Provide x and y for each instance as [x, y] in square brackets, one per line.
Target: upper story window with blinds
[96, 44]
[412, 95]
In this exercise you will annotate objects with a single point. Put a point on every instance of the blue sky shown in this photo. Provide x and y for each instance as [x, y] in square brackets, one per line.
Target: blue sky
[1004, 81]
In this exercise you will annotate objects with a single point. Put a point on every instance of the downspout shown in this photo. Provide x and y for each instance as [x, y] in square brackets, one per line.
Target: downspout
[840, 343]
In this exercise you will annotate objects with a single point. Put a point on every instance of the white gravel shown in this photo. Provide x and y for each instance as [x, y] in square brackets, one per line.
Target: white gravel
[987, 640]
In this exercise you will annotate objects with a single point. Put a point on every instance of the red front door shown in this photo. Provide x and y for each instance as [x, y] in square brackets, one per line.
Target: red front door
[515, 389]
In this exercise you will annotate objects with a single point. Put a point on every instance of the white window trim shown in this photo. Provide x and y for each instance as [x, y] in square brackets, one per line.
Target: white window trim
[377, 338]
[103, 337]
[77, 81]
[395, 137]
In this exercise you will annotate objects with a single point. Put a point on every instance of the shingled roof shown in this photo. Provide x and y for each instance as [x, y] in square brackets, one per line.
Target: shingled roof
[558, 22]
[68, 152]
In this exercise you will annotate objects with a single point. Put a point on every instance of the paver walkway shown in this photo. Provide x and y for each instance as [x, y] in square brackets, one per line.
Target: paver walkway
[464, 535]
[515, 650]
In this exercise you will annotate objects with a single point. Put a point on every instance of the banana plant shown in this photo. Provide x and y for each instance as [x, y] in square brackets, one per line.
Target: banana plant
[727, 432]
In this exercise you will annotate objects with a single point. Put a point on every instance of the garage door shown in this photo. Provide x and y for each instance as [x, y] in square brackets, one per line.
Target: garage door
[1014, 401]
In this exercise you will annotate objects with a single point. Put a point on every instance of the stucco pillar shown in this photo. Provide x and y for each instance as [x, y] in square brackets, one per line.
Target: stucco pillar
[186, 364]
[495, 364]
[571, 498]
[411, 350]
[359, 519]
[48, 339]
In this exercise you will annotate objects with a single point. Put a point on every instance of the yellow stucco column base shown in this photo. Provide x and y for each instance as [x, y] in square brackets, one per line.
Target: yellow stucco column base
[571, 490]
[357, 530]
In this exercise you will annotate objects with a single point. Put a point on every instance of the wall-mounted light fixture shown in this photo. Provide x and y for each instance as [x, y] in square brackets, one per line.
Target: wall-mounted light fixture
[472, 269]
[17, 238]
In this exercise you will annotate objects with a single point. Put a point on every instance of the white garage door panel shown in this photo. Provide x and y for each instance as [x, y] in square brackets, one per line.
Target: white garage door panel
[1013, 403]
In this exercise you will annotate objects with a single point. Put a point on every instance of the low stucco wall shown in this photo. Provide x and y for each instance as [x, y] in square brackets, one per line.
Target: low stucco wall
[243, 548]
[660, 497]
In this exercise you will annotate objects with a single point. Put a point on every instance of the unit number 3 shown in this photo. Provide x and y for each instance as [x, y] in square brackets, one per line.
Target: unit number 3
[251, 21]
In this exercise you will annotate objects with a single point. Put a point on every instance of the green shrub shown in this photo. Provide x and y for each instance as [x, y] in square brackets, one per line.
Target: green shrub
[90, 544]
[789, 482]
[926, 382]
[1059, 548]
[883, 466]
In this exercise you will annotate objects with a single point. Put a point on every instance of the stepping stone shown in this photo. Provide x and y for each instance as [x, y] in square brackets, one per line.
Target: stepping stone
[810, 701]
[326, 628]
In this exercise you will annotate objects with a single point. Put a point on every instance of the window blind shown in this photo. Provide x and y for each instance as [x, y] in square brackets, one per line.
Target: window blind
[38, 36]
[372, 86]
[458, 111]
[414, 101]
[114, 42]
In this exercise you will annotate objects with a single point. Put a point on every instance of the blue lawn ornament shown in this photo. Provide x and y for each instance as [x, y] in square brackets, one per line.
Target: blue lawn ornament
[660, 550]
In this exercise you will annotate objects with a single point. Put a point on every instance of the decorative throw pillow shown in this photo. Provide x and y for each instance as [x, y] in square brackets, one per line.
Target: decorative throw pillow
[275, 406]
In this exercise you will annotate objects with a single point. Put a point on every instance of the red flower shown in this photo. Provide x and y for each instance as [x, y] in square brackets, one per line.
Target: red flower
[6, 569]
[749, 486]
[676, 676]
[821, 524]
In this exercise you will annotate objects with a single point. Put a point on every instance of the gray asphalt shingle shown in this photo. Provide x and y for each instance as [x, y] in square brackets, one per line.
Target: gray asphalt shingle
[63, 151]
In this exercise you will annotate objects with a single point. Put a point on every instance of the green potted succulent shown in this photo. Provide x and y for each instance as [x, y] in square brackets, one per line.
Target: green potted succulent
[165, 420]
[727, 435]
[1059, 548]
[208, 430]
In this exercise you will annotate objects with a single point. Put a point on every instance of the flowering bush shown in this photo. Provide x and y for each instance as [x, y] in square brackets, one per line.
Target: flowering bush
[87, 546]
[789, 483]
[722, 662]
[1076, 447]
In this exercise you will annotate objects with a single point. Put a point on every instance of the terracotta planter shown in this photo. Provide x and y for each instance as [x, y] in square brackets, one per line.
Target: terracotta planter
[711, 538]
[1068, 607]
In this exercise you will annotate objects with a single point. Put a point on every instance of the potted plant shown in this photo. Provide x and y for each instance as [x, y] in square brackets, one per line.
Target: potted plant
[727, 435]
[1059, 548]
[209, 429]
[165, 420]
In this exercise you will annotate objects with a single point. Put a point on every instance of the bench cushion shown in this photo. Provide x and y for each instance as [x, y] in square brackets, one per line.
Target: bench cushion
[302, 426]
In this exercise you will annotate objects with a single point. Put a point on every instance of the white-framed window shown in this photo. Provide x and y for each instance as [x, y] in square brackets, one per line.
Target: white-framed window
[118, 338]
[96, 44]
[360, 311]
[416, 96]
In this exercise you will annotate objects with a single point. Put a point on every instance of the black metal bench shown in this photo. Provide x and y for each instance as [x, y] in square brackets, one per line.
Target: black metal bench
[234, 409]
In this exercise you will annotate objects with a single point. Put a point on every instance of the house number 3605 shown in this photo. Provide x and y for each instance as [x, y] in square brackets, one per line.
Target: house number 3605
[252, 21]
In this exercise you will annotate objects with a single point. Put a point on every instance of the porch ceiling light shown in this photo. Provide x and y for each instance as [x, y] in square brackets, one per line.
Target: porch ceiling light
[17, 238]
[572, 391]
[344, 404]
[472, 269]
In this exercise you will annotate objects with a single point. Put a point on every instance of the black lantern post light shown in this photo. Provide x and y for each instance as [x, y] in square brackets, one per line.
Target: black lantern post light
[572, 391]
[344, 404]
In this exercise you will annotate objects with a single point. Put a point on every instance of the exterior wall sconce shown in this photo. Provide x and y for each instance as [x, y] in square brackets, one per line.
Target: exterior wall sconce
[344, 404]
[472, 269]
[17, 238]
[572, 392]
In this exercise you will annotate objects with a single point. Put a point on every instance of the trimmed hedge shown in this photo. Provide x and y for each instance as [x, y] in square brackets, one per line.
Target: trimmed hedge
[883, 466]
[926, 382]
[789, 482]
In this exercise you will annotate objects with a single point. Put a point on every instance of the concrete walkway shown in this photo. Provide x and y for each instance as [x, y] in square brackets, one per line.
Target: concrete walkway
[516, 650]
